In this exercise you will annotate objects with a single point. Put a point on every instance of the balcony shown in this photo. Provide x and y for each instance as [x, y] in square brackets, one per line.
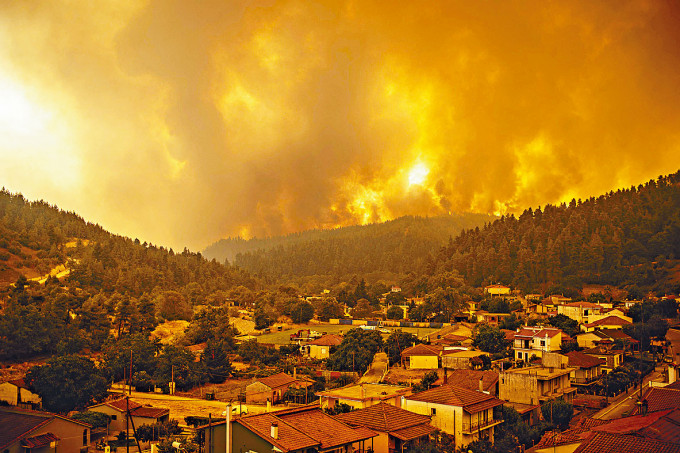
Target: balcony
[473, 427]
[584, 381]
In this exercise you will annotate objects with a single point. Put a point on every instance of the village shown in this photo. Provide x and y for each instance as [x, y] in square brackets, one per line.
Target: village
[552, 373]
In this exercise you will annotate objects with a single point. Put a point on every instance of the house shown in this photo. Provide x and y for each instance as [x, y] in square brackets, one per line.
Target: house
[608, 322]
[605, 350]
[535, 341]
[616, 443]
[661, 399]
[361, 396]
[581, 312]
[397, 428]
[141, 415]
[592, 339]
[272, 388]
[467, 415]
[421, 357]
[588, 368]
[304, 429]
[320, 348]
[23, 431]
[17, 393]
[536, 384]
[451, 339]
[483, 380]
[463, 360]
[493, 319]
[673, 354]
[497, 290]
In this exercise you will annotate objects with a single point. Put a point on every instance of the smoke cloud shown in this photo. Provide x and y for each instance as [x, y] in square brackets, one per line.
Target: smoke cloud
[184, 122]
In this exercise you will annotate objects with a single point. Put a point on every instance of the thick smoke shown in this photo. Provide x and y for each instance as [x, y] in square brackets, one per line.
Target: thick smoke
[184, 122]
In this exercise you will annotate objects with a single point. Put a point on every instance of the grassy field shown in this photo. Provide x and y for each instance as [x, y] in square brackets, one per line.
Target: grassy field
[284, 336]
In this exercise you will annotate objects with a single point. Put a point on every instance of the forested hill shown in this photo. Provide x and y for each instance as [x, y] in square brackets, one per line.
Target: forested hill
[398, 246]
[627, 237]
[36, 237]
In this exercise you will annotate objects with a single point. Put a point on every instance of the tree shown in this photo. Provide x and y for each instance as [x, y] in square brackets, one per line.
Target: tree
[96, 419]
[302, 312]
[216, 362]
[395, 312]
[426, 382]
[68, 382]
[489, 339]
[356, 351]
[178, 361]
[329, 308]
[565, 324]
[396, 342]
[362, 310]
[559, 412]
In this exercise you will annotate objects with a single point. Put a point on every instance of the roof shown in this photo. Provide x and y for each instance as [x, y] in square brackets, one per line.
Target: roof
[290, 438]
[414, 432]
[469, 379]
[39, 441]
[581, 360]
[421, 349]
[17, 423]
[472, 401]
[666, 428]
[136, 409]
[617, 443]
[327, 340]
[597, 351]
[662, 398]
[325, 429]
[383, 417]
[364, 391]
[582, 305]
[527, 332]
[609, 321]
[277, 380]
[464, 354]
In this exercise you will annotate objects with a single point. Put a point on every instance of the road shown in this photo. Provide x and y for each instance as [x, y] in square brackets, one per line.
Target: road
[624, 404]
[377, 370]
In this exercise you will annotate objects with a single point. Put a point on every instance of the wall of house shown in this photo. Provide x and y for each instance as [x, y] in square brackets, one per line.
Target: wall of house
[9, 393]
[381, 443]
[257, 392]
[117, 424]
[319, 352]
[518, 388]
[446, 418]
[71, 434]
[423, 362]
[456, 363]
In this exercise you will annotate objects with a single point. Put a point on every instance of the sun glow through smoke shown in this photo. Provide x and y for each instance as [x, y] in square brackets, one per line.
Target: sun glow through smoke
[418, 174]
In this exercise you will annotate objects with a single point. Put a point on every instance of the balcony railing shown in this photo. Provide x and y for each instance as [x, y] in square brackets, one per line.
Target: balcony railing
[589, 380]
[470, 427]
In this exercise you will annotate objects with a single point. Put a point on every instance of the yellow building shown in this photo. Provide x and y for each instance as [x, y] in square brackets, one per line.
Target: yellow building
[421, 357]
[320, 348]
[361, 396]
[581, 312]
[16, 393]
[536, 384]
[465, 414]
[497, 290]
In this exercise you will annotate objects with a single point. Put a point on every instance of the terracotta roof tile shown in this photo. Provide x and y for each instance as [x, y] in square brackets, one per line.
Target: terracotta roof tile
[414, 432]
[581, 360]
[324, 428]
[42, 440]
[609, 321]
[383, 417]
[290, 438]
[618, 443]
[327, 340]
[470, 400]
[421, 349]
[469, 379]
[277, 380]
[662, 398]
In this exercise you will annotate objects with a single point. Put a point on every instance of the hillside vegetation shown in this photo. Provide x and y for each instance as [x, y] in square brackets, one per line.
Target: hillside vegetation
[399, 246]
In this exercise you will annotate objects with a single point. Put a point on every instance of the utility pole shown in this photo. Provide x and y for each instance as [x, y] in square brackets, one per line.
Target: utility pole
[130, 386]
[127, 426]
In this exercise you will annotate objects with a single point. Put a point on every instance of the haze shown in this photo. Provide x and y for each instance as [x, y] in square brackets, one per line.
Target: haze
[180, 123]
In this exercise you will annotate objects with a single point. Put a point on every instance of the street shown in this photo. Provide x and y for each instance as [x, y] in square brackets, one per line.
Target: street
[624, 404]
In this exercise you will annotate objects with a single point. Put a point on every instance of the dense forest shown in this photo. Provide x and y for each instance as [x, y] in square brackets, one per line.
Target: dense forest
[108, 282]
[396, 247]
[624, 238]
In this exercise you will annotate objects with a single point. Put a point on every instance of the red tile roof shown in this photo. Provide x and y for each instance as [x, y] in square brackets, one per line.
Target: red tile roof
[581, 360]
[327, 340]
[609, 321]
[17, 423]
[290, 438]
[526, 332]
[582, 305]
[42, 440]
[414, 432]
[620, 443]
[277, 380]
[324, 428]
[472, 401]
[420, 350]
[665, 429]
[383, 417]
[469, 379]
[662, 398]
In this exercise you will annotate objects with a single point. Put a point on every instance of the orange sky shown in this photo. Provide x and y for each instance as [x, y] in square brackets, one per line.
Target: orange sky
[182, 122]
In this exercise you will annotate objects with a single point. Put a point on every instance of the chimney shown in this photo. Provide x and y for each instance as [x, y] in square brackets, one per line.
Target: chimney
[227, 429]
[294, 372]
[481, 385]
[275, 430]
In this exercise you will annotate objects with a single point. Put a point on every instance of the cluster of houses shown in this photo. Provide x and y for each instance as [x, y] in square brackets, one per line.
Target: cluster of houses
[464, 402]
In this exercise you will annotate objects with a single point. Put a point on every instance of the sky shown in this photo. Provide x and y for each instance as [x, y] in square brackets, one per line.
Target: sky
[183, 122]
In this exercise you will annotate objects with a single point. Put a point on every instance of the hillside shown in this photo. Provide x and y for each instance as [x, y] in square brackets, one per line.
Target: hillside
[398, 246]
[630, 238]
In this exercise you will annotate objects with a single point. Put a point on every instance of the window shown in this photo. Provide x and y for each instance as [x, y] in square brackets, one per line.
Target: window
[542, 342]
[85, 437]
[433, 411]
[114, 417]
